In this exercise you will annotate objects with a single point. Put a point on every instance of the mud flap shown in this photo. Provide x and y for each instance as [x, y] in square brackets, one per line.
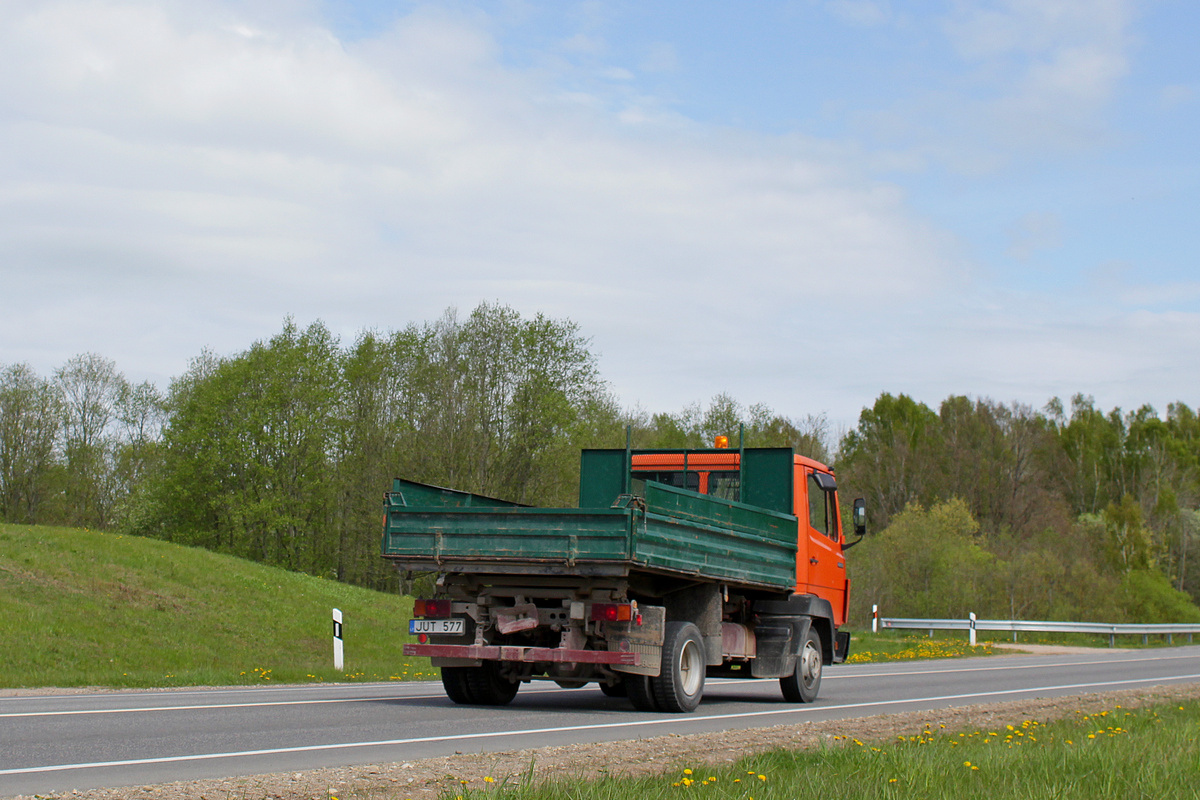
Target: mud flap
[841, 646]
[779, 641]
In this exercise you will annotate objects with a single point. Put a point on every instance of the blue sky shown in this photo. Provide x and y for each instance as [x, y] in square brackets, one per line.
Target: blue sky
[802, 204]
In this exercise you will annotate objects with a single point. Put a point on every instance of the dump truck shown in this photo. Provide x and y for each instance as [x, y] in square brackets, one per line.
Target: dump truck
[677, 565]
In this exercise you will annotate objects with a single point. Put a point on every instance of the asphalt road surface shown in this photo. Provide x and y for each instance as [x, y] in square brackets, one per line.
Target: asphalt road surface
[54, 743]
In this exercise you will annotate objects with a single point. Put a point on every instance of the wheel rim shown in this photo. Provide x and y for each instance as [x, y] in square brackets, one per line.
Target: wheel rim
[691, 668]
[810, 669]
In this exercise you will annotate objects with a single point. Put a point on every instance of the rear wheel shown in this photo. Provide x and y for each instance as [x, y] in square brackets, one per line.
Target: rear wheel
[618, 689]
[640, 692]
[804, 683]
[489, 687]
[478, 686]
[680, 685]
[458, 688]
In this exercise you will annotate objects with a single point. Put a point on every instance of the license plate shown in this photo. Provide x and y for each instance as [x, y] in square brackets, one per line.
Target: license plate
[439, 626]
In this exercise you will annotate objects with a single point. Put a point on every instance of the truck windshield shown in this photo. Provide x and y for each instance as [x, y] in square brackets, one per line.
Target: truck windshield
[671, 478]
[725, 485]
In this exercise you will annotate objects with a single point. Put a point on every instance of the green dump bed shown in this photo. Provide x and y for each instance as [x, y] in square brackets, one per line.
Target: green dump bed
[662, 530]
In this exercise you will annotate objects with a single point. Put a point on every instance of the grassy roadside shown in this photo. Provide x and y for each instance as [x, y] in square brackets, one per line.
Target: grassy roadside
[867, 647]
[85, 608]
[1152, 751]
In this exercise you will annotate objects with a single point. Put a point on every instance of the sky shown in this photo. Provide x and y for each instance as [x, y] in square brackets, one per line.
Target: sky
[802, 203]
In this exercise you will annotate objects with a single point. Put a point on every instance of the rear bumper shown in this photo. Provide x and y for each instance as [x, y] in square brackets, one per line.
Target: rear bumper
[522, 654]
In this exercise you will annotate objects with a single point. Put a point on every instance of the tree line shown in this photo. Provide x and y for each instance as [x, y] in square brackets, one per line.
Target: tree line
[1066, 512]
[281, 453]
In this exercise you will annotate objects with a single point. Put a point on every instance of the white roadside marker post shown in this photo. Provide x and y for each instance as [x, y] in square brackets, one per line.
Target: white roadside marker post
[337, 639]
[972, 629]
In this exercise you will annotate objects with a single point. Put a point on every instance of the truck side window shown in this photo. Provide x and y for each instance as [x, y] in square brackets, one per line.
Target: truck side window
[820, 510]
[726, 485]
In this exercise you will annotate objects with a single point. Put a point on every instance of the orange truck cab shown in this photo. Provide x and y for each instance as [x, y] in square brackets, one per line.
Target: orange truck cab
[820, 562]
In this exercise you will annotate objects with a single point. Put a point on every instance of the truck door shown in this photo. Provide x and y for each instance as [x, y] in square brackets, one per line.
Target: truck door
[826, 564]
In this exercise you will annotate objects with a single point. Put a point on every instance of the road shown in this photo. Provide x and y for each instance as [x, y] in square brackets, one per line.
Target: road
[61, 742]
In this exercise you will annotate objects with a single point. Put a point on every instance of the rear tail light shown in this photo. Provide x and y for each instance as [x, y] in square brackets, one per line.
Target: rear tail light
[431, 608]
[612, 612]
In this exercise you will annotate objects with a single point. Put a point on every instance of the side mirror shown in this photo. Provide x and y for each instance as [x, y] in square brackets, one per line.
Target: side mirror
[860, 516]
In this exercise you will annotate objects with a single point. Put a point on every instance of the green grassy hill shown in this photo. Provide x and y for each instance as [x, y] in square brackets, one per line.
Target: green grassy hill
[84, 608]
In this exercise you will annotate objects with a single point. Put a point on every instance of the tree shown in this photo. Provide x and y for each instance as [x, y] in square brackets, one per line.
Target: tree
[926, 563]
[246, 463]
[91, 388]
[30, 418]
[889, 457]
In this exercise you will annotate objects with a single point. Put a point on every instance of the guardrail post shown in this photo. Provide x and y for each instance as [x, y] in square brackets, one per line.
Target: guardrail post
[972, 629]
[337, 639]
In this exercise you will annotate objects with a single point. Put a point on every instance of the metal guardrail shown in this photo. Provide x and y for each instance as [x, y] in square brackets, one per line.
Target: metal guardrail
[1112, 630]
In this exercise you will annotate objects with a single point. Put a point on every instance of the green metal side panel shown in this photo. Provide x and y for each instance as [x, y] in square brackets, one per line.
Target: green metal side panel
[696, 534]
[507, 534]
[427, 495]
[601, 477]
[767, 475]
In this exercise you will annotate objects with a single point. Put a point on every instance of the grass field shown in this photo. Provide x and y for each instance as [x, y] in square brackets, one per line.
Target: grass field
[1152, 752]
[84, 608]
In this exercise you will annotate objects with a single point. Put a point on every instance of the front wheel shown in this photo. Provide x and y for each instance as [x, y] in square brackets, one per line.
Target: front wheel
[680, 685]
[804, 683]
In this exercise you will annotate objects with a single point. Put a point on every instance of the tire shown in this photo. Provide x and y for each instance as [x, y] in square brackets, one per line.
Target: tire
[618, 689]
[489, 687]
[478, 686]
[640, 692]
[680, 685]
[804, 683]
[456, 684]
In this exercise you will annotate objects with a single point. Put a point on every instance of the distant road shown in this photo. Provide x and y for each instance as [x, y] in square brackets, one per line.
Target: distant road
[82, 741]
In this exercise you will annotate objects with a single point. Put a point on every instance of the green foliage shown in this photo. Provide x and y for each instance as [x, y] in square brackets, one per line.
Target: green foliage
[30, 419]
[927, 563]
[280, 453]
[88, 608]
[1147, 596]
[725, 416]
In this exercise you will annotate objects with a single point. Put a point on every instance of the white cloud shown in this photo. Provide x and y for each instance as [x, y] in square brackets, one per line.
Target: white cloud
[1041, 71]
[861, 12]
[174, 177]
[1034, 232]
